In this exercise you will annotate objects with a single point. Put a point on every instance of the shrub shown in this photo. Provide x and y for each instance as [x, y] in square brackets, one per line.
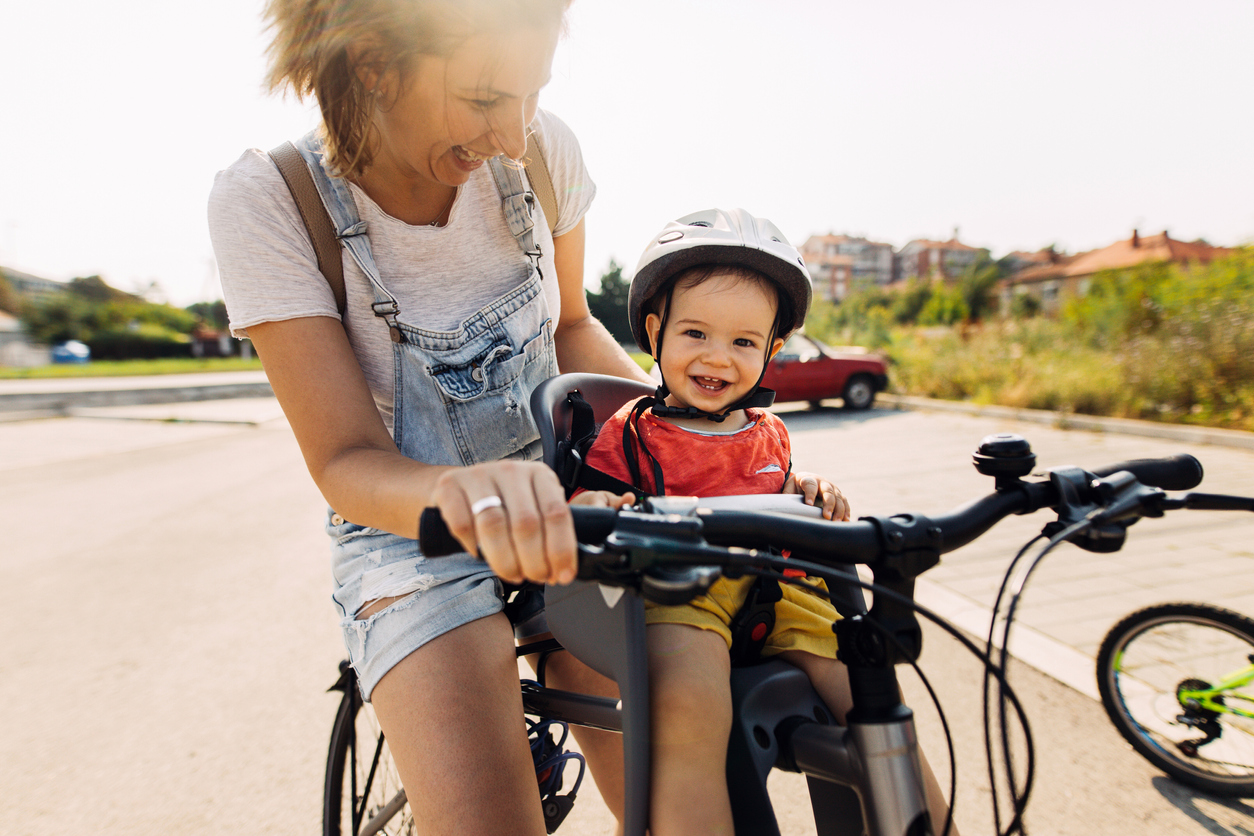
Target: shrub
[145, 342]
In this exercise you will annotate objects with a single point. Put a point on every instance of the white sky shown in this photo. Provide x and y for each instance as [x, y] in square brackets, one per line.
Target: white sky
[1068, 122]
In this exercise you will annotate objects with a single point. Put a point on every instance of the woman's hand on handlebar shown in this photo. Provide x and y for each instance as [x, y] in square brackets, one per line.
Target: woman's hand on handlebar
[820, 493]
[514, 515]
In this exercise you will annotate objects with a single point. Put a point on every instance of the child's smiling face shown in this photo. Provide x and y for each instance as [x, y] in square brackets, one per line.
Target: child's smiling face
[715, 344]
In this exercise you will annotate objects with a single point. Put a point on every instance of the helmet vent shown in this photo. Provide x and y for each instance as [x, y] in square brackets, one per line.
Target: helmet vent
[705, 224]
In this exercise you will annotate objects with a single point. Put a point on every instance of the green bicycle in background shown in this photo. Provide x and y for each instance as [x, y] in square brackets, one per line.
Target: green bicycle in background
[1178, 682]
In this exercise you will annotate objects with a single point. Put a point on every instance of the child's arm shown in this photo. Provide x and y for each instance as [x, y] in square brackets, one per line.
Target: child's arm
[817, 489]
[602, 499]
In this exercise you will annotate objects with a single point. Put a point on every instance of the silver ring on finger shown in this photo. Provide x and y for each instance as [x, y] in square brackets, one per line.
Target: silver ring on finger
[481, 505]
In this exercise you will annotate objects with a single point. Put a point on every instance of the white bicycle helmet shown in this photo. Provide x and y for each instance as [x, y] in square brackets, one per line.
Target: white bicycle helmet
[718, 236]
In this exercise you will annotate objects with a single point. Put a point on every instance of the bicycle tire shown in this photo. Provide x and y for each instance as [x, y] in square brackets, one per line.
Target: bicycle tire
[1144, 661]
[362, 795]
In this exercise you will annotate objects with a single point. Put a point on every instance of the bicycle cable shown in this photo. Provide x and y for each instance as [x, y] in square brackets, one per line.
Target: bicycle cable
[989, 646]
[1020, 585]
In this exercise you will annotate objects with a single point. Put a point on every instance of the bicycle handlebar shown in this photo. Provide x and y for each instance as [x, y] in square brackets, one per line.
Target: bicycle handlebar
[868, 540]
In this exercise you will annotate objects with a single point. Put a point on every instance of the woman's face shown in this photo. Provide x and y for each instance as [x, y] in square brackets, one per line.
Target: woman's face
[450, 115]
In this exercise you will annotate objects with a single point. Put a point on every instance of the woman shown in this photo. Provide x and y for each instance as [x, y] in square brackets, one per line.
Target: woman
[418, 395]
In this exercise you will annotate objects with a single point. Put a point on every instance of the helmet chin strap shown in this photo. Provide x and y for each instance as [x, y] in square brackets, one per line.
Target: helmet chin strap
[760, 397]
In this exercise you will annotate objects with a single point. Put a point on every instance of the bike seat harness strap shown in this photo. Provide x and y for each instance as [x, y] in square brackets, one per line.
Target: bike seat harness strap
[755, 620]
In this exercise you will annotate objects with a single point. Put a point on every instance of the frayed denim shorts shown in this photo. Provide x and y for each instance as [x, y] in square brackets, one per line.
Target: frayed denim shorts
[439, 594]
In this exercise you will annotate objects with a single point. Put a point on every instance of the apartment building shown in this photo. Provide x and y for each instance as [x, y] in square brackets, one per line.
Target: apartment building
[840, 263]
[929, 260]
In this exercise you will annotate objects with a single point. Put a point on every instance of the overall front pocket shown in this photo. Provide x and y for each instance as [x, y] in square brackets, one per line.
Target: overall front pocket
[495, 422]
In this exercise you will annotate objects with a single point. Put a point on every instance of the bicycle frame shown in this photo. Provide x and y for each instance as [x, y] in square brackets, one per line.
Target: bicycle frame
[1209, 699]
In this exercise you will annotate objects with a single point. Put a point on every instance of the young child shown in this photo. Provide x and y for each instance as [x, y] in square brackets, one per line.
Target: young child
[713, 299]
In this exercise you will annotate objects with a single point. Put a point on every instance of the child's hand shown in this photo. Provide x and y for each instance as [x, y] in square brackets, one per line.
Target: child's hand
[816, 490]
[603, 499]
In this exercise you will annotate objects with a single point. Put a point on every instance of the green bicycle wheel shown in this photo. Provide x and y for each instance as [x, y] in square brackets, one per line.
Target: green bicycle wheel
[1160, 673]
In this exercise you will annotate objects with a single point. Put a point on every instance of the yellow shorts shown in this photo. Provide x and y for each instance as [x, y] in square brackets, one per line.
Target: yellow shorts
[803, 620]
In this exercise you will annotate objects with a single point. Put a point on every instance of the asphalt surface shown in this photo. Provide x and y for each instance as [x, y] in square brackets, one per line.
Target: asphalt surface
[171, 637]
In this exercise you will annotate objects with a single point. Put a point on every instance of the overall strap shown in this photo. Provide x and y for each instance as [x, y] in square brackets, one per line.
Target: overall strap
[350, 229]
[518, 203]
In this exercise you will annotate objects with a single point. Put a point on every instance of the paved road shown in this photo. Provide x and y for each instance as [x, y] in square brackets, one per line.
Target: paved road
[143, 557]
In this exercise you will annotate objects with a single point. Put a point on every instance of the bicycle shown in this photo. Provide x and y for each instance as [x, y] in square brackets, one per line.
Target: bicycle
[1177, 680]
[863, 778]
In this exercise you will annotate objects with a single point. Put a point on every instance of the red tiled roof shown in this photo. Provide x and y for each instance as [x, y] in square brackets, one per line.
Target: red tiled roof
[951, 244]
[1138, 250]
[825, 259]
[834, 238]
[1046, 255]
[1043, 272]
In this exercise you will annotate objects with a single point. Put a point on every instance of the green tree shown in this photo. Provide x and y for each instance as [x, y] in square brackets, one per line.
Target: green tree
[94, 289]
[977, 282]
[57, 319]
[8, 296]
[945, 306]
[911, 300]
[610, 304]
[212, 313]
[1024, 306]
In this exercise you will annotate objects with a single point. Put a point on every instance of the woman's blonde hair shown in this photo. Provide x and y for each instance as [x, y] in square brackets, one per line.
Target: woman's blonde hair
[311, 52]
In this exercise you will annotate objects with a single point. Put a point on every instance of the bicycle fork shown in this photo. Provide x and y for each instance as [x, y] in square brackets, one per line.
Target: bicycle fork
[880, 761]
[864, 779]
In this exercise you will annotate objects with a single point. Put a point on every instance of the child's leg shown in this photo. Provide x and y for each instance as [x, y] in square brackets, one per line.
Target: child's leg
[830, 679]
[689, 674]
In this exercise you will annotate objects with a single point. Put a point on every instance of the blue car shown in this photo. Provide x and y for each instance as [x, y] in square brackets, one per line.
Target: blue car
[71, 351]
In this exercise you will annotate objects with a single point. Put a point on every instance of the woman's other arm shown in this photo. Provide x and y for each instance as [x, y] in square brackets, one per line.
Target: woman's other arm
[583, 343]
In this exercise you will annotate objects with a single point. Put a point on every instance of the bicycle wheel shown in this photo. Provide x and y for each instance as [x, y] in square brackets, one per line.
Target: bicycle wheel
[363, 794]
[1175, 680]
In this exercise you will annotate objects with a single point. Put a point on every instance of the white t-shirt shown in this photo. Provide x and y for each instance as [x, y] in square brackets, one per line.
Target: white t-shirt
[440, 276]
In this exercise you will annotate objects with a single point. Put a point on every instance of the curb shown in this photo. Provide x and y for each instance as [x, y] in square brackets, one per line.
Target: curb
[1186, 433]
[130, 393]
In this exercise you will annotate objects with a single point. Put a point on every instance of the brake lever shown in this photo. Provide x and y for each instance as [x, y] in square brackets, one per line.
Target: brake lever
[1123, 497]
[1085, 498]
[635, 555]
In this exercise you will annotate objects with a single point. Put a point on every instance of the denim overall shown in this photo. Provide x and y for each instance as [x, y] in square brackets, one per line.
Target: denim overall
[461, 397]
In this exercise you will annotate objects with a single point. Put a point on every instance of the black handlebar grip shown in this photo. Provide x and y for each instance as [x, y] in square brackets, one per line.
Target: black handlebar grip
[592, 525]
[1172, 473]
[434, 538]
